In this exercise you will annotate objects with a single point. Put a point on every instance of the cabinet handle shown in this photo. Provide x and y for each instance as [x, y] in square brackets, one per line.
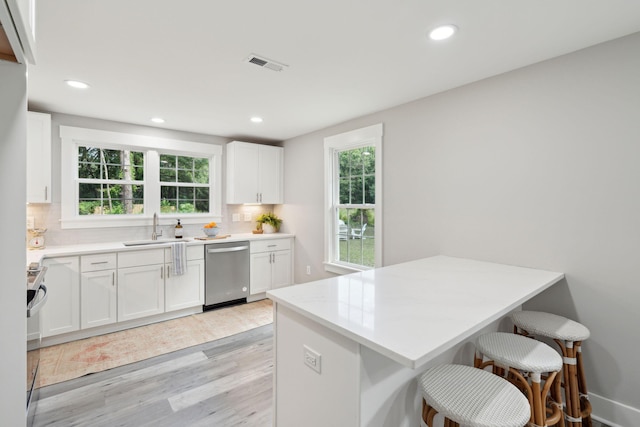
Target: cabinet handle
[100, 262]
[113, 278]
[258, 197]
[271, 246]
[46, 192]
[168, 272]
[162, 272]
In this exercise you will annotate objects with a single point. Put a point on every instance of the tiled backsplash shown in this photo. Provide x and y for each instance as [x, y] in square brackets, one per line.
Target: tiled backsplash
[48, 216]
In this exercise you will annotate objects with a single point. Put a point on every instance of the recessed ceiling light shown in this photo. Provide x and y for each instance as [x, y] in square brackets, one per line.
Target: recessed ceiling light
[157, 120]
[256, 119]
[443, 32]
[77, 84]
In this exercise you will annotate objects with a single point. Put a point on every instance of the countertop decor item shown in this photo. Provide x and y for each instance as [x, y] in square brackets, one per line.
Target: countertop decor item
[211, 229]
[211, 232]
[268, 222]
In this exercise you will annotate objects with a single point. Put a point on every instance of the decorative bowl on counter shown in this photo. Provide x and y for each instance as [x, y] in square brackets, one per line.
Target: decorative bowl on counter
[211, 232]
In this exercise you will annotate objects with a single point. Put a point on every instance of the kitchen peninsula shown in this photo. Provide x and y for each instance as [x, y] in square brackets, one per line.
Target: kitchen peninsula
[348, 349]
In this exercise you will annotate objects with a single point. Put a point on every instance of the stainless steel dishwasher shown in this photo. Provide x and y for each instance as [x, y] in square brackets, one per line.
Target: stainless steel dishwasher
[226, 274]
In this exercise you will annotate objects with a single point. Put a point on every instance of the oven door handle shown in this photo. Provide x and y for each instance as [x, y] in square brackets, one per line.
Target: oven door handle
[37, 306]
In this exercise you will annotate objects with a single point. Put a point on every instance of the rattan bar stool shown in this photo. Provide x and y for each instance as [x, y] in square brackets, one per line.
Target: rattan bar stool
[524, 362]
[471, 397]
[569, 335]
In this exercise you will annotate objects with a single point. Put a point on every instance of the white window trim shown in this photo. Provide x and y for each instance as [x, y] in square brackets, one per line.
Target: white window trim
[371, 135]
[73, 137]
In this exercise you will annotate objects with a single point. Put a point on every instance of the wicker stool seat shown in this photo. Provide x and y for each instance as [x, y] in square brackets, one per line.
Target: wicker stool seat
[569, 335]
[472, 397]
[524, 361]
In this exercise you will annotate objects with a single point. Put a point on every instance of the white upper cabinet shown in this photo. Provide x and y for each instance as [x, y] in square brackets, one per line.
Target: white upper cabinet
[38, 158]
[17, 22]
[254, 173]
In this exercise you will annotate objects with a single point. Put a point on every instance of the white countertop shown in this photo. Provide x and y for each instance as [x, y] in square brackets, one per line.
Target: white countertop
[37, 255]
[414, 311]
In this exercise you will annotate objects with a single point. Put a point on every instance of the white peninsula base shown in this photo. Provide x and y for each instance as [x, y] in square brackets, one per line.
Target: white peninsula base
[348, 350]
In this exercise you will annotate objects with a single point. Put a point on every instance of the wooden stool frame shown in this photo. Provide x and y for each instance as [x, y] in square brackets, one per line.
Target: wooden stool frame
[429, 413]
[543, 410]
[573, 381]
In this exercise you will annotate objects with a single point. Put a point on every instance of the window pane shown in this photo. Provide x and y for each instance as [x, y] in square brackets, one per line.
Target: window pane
[344, 192]
[201, 171]
[356, 161]
[356, 236]
[184, 199]
[356, 190]
[185, 176]
[167, 175]
[96, 163]
[108, 199]
[370, 189]
[369, 160]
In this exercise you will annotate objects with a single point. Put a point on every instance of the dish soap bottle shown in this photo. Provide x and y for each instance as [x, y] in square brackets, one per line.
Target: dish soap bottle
[178, 232]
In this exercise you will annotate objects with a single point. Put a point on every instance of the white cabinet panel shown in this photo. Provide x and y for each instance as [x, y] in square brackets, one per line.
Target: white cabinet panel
[260, 280]
[186, 290]
[98, 298]
[254, 173]
[282, 269]
[140, 291]
[271, 264]
[61, 313]
[38, 158]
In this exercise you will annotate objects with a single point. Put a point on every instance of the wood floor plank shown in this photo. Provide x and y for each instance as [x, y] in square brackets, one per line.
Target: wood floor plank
[227, 382]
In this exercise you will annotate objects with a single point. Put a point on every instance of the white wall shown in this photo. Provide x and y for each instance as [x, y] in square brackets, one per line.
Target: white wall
[537, 167]
[13, 320]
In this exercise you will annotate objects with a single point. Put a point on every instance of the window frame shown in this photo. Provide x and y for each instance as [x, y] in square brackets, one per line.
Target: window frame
[73, 137]
[367, 136]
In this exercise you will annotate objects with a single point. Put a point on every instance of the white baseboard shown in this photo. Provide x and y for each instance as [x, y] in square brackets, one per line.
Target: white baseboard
[612, 413]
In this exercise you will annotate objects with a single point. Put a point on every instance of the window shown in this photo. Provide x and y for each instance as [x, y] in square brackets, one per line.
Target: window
[353, 163]
[184, 184]
[110, 182]
[114, 179]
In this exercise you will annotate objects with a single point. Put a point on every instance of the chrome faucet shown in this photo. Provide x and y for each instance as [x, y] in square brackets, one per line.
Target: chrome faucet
[154, 233]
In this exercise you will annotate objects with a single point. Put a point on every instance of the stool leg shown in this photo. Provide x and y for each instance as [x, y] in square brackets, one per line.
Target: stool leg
[585, 405]
[570, 376]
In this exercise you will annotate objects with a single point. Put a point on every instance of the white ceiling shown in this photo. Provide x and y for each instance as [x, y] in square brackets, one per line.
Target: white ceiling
[184, 60]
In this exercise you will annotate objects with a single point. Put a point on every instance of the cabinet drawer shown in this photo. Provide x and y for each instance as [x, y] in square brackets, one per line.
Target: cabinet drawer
[145, 257]
[97, 262]
[194, 253]
[270, 245]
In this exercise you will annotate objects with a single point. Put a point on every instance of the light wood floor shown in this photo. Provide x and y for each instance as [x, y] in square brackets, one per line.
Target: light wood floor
[227, 382]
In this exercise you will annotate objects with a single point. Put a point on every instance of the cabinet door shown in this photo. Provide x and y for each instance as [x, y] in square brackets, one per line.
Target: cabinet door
[61, 313]
[281, 273]
[243, 160]
[260, 279]
[38, 158]
[186, 290]
[140, 291]
[270, 180]
[98, 298]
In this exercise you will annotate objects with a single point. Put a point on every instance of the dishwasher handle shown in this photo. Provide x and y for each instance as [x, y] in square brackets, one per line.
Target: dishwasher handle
[231, 249]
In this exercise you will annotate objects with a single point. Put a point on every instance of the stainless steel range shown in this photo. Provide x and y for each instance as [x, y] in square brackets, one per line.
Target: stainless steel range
[36, 298]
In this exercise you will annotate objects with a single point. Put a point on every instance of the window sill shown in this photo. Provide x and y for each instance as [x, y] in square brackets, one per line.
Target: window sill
[342, 269]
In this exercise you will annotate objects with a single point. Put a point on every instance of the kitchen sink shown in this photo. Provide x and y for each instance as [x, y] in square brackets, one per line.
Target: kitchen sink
[152, 242]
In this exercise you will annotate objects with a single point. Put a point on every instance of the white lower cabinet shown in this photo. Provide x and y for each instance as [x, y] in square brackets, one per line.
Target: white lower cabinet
[140, 284]
[98, 290]
[186, 290]
[271, 264]
[61, 313]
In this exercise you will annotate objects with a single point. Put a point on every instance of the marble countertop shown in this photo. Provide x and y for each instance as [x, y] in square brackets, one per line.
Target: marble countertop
[37, 255]
[414, 311]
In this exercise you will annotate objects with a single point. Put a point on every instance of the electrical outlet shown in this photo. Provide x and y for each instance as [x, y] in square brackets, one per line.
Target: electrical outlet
[308, 270]
[247, 217]
[235, 217]
[312, 358]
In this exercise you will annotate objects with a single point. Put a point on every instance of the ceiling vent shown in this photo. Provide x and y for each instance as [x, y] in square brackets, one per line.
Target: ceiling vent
[265, 63]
